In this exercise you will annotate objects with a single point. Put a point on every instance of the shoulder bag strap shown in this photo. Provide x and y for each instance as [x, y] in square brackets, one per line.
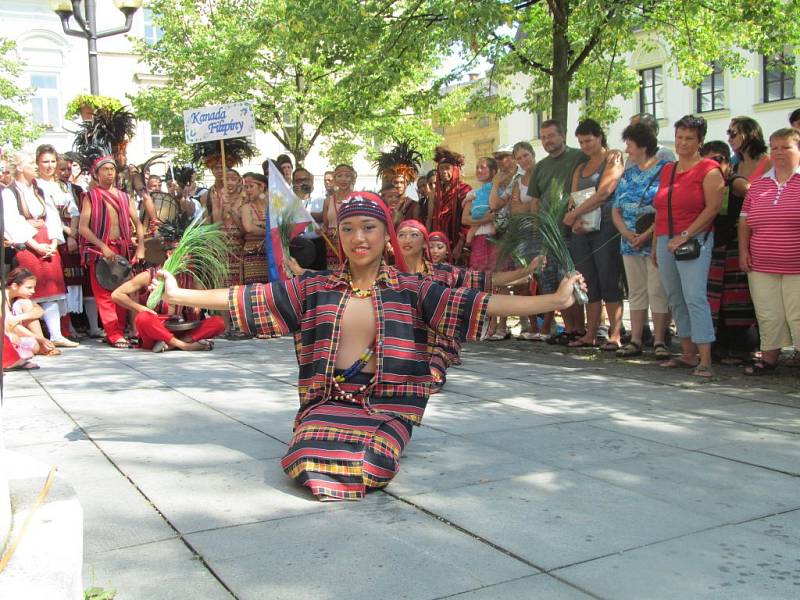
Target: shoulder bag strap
[647, 187]
[669, 198]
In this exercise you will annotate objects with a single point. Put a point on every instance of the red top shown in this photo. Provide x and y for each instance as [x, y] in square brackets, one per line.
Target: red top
[773, 215]
[688, 199]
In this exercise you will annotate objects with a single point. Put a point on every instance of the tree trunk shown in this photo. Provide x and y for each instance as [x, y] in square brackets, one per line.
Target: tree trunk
[561, 50]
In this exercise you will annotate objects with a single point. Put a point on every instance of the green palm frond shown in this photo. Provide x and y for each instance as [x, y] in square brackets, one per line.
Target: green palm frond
[203, 252]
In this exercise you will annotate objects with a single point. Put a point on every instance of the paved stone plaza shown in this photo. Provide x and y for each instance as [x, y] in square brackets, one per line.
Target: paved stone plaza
[536, 475]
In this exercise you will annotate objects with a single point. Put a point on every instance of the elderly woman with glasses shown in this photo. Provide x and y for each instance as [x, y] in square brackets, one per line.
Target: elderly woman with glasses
[688, 199]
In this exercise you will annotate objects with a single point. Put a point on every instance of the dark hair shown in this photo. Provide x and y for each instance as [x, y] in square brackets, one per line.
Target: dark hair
[303, 169]
[283, 159]
[795, 116]
[229, 170]
[265, 168]
[345, 166]
[553, 123]
[648, 120]
[592, 127]
[431, 173]
[154, 176]
[698, 124]
[257, 176]
[19, 276]
[522, 146]
[327, 172]
[716, 147]
[753, 144]
[643, 136]
[45, 149]
[489, 161]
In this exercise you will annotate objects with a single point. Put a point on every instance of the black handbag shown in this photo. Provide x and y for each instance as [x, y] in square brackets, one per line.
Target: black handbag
[690, 249]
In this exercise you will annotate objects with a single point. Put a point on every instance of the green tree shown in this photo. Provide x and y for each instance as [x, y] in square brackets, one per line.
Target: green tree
[576, 49]
[16, 126]
[342, 69]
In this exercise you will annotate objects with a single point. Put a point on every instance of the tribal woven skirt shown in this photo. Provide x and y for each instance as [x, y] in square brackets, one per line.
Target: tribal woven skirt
[235, 267]
[340, 451]
[254, 262]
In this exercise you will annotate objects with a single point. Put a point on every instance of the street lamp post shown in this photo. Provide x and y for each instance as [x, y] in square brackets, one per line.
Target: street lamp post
[88, 27]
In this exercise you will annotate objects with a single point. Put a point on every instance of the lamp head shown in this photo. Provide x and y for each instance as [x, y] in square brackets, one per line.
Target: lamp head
[63, 8]
[128, 7]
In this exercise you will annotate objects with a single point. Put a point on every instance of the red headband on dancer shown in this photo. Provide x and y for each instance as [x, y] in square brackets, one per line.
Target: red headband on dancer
[367, 204]
[101, 161]
[439, 236]
[414, 224]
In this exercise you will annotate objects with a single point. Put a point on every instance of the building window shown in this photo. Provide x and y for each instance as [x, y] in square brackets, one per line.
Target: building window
[152, 33]
[651, 91]
[45, 100]
[779, 72]
[483, 121]
[711, 93]
[156, 137]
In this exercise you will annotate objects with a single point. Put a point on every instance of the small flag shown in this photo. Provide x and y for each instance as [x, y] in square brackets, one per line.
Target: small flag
[287, 218]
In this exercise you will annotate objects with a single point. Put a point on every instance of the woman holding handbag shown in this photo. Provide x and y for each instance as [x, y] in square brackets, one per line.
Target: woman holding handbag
[634, 218]
[688, 199]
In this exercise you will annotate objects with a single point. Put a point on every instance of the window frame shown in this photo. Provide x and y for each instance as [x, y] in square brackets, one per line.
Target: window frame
[643, 106]
[51, 121]
[785, 77]
[155, 33]
[718, 71]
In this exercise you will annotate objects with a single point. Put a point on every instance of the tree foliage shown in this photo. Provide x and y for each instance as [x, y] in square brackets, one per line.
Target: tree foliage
[342, 69]
[16, 125]
[578, 49]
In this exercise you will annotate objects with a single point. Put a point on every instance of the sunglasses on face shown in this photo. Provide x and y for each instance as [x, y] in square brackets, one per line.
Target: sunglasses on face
[717, 158]
[732, 133]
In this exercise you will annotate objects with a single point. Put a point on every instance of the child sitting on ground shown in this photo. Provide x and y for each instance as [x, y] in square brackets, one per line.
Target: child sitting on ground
[22, 316]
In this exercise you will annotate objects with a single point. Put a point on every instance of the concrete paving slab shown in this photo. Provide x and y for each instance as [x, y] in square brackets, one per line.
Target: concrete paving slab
[210, 497]
[572, 445]
[727, 562]
[705, 484]
[766, 448]
[559, 518]
[785, 527]
[393, 551]
[442, 463]
[53, 426]
[676, 428]
[164, 570]
[761, 414]
[541, 586]
[76, 460]
[476, 417]
[116, 515]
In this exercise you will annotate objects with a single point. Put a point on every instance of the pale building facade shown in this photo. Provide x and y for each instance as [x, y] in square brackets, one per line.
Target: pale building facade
[56, 67]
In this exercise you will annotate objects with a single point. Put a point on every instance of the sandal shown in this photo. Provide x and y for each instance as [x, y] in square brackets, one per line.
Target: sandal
[661, 351]
[628, 350]
[702, 371]
[760, 367]
[616, 347]
[579, 343]
[122, 344]
[499, 335]
[677, 363]
[26, 366]
[160, 346]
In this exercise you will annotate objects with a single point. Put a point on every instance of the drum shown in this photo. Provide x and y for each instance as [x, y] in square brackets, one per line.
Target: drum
[167, 208]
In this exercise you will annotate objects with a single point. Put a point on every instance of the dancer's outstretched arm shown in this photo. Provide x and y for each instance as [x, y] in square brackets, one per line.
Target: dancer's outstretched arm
[509, 277]
[209, 299]
[506, 306]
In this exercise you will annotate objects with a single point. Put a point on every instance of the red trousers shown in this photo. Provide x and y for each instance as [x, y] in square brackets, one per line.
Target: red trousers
[113, 316]
[10, 355]
[151, 329]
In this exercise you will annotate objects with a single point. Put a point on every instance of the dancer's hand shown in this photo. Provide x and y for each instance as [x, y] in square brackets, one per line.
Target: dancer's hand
[538, 263]
[170, 284]
[566, 289]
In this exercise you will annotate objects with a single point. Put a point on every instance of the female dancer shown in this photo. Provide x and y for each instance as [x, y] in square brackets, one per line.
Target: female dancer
[414, 246]
[362, 347]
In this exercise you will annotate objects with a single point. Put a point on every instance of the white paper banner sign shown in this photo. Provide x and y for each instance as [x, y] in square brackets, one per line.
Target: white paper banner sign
[219, 122]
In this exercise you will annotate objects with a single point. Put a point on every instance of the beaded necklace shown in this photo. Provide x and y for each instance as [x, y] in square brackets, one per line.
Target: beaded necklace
[358, 292]
[357, 366]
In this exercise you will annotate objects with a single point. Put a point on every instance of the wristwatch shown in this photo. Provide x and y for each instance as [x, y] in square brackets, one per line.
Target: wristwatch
[685, 233]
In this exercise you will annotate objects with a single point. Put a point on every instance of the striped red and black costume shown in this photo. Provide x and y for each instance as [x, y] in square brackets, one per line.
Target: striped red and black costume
[446, 351]
[114, 317]
[340, 449]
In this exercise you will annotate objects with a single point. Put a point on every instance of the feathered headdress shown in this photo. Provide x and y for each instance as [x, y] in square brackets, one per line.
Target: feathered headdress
[236, 150]
[104, 135]
[181, 175]
[447, 156]
[400, 160]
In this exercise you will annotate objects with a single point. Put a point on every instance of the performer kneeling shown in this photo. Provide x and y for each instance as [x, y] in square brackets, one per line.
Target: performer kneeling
[362, 345]
[154, 326]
